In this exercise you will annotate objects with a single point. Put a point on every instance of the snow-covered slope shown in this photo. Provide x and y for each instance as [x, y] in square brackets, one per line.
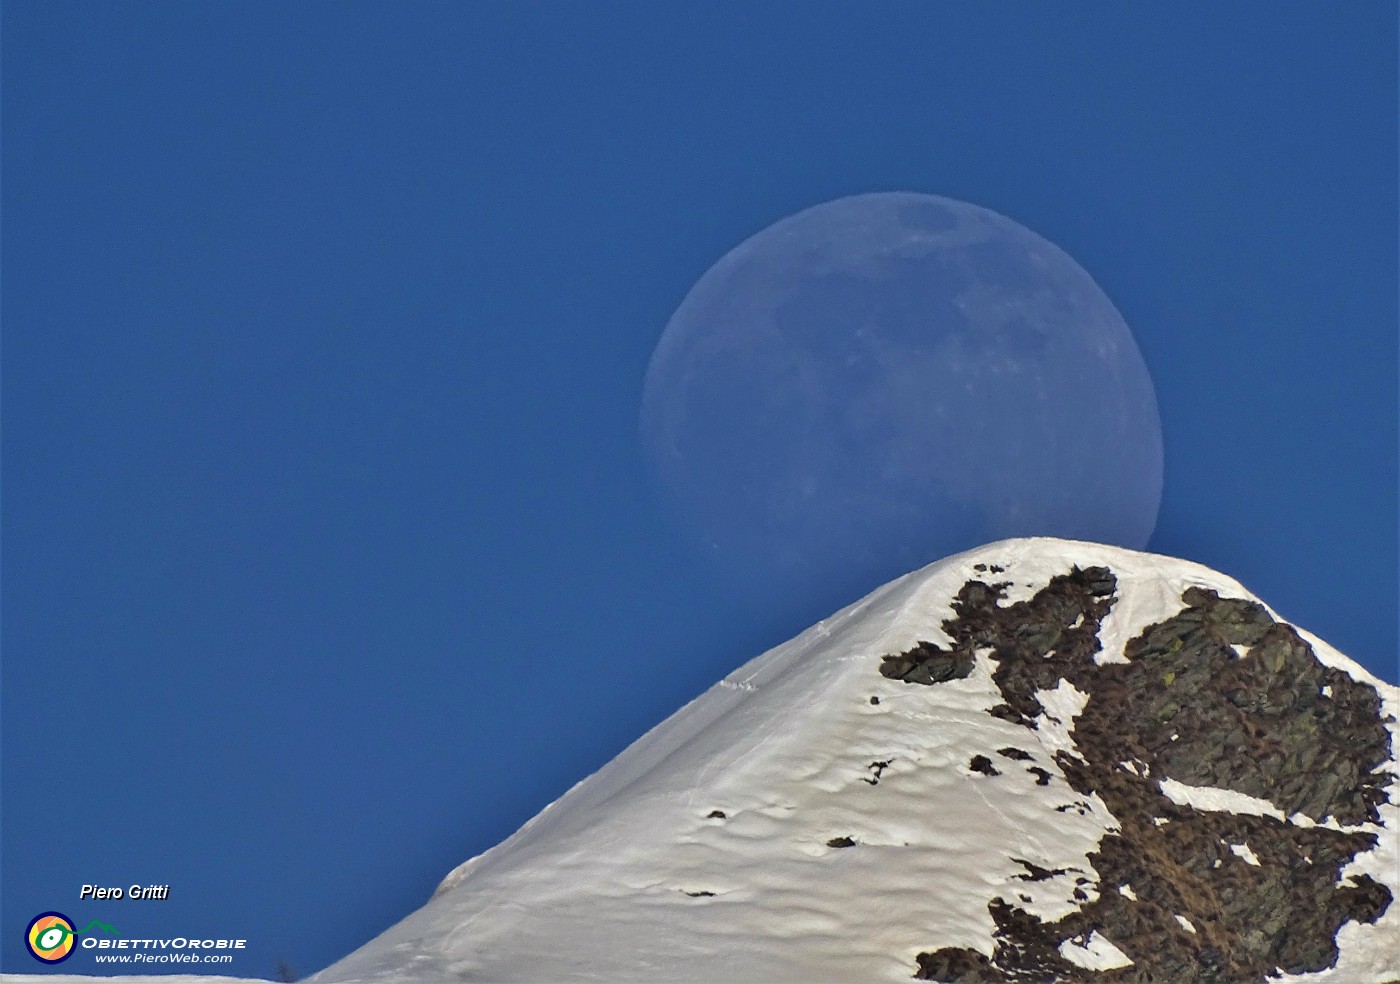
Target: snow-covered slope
[1038, 760]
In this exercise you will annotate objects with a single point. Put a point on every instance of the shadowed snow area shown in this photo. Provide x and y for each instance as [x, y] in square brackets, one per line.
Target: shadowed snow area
[1039, 760]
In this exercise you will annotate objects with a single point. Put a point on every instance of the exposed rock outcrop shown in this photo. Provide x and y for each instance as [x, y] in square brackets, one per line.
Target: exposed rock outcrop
[1190, 705]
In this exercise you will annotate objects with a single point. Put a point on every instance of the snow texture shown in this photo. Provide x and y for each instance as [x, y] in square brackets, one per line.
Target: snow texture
[1225, 800]
[808, 819]
[1097, 954]
[629, 877]
[1243, 851]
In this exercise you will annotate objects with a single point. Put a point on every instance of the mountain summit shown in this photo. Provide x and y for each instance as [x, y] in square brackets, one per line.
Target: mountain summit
[1036, 761]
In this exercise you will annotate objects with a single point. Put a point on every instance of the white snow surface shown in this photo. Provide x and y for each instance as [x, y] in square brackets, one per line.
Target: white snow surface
[627, 878]
[1098, 953]
[1212, 798]
[1244, 851]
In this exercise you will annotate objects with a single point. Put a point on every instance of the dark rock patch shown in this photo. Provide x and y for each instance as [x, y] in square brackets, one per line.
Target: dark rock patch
[1042, 776]
[1079, 806]
[1035, 872]
[1365, 900]
[874, 700]
[982, 764]
[1189, 707]
[1007, 713]
[957, 965]
[841, 842]
[716, 815]
[1258, 724]
[877, 769]
[928, 664]
[701, 895]
[1015, 754]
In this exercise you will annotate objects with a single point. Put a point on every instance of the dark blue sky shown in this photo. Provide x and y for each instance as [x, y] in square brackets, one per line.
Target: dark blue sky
[329, 551]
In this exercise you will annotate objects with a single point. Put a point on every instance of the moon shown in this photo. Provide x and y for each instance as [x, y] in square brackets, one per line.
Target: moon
[886, 379]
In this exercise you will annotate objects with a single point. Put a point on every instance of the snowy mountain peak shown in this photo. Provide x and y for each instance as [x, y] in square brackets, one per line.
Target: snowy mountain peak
[1039, 760]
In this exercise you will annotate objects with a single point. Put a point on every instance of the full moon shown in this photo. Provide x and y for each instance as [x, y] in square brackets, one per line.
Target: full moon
[882, 380]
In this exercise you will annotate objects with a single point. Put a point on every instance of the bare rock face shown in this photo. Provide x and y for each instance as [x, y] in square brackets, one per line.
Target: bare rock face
[1039, 761]
[1271, 722]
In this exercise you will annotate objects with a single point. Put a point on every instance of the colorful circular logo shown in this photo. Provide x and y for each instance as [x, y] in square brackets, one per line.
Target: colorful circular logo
[50, 937]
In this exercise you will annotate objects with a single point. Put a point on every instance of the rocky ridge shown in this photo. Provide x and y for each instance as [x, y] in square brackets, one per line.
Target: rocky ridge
[1219, 695]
